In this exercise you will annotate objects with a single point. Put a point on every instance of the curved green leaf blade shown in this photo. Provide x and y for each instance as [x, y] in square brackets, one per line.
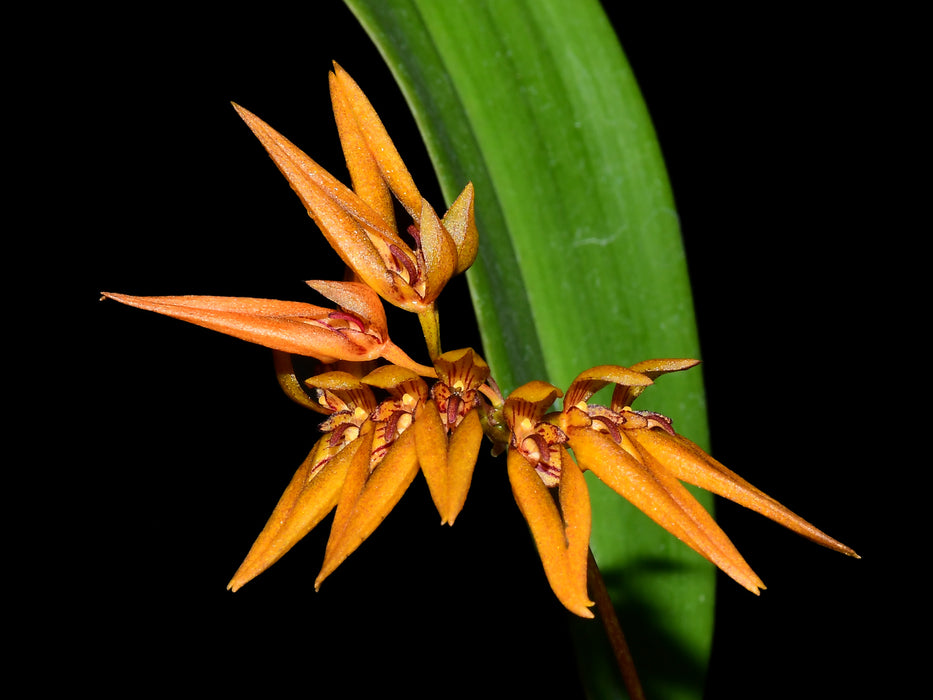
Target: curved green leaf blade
[580, 259]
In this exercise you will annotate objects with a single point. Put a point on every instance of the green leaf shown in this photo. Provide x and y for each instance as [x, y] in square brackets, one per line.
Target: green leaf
[580, 261]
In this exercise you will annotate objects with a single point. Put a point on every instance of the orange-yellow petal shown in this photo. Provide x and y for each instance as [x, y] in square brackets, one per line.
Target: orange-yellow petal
[460, 222]
[463, 451]
[373, 502]
[356, 231]
[359, 299]
[663, 499]
[343, 391]
[536, 392]
[393, 169]
[541, 513]
[398, 380]
[431, 443]
[440, 253]
[310, 496]
[365, 173]
[688, 462]
[592, 380]
[462, 369]
[281, 325]
[525, 406]
[623, 396]
[574, 498]
[311, 182]
[358, 472]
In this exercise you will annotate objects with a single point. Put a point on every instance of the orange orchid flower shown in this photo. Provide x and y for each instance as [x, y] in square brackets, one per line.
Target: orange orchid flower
[385, 423]
[377, 481]
[639, 456]
[316, 486]
[537, 461]
[356, 331]
[449, 438]
[360, 223]
[372, 451]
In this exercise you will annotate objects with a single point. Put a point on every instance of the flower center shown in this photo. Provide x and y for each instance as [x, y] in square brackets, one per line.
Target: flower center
[348, 325]
[539, 442]
[393, 417]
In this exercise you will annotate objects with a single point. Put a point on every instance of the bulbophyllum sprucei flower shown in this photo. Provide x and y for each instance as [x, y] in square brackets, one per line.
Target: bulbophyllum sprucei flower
[360, 223]
[387, 416]
[637, 454]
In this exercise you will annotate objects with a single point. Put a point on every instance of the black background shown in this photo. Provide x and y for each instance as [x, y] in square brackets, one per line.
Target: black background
[777, 134]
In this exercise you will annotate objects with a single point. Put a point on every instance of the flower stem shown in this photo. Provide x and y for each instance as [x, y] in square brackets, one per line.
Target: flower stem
[607, 614]
[430, 326]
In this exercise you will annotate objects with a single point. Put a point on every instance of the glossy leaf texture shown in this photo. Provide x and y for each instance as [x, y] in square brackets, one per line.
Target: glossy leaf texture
[580, 262]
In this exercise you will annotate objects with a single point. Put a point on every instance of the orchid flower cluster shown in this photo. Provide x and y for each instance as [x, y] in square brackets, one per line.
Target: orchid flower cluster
[388, 417]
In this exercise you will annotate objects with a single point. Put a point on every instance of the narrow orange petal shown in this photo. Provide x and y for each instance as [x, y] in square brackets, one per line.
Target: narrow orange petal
[380, 145]
[280, 325]
[310, 181]
[592, 380]
[440, 253]
[463, 451]
[365, 174]
[348, 223]
[623, 396]
[431, 444]
[574, 499]
[307, 499]
[381, 492]
[391, 377]
[655, 368]
[460, 222]
[540, 511]
[357, 298]
[663, 499]
[536, 393]
[629, 478]
[716, 545]
[354, 482]
[688, 462]
[463, 367]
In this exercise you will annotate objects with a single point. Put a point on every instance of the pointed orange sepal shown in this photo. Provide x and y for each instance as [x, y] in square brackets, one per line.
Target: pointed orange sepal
[439, 251]
[343, 392]
[456, 429]
[463, 451]
[289, 326]
[431, 446]
[360, 223]
[662, 498]
[310, 496]
[592, 380]
[462, 369]
[530, 399]
[460, 222]
[358, 115]
[688, 462]
[624, 395]
[367, 499]
[356, 332]
[447, 461]
[365, 173]
[355, 230]
[560, 529]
